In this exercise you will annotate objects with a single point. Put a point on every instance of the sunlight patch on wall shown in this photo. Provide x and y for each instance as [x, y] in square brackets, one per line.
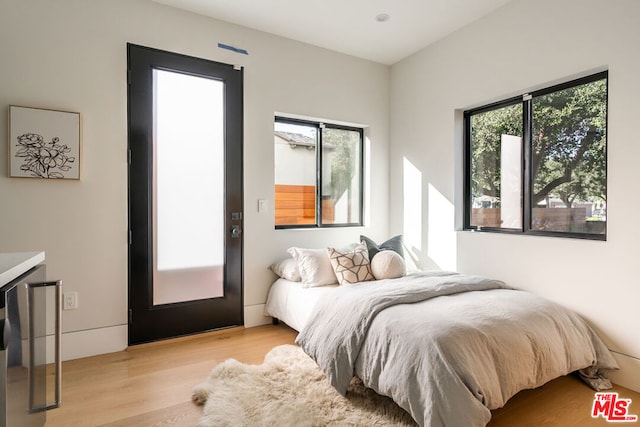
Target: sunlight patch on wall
[412, 196]
[441, 238]
[366, 190]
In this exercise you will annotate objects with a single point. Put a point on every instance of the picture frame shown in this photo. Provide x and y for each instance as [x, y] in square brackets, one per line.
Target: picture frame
[43, 143]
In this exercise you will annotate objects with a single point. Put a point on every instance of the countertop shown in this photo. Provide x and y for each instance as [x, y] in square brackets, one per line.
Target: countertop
[14, 264]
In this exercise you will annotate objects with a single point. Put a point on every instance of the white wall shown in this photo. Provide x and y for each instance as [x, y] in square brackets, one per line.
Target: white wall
[523, 46]
[293, 166]
[71, 55]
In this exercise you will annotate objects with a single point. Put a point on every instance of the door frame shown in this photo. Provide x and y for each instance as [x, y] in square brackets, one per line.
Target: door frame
[148, 322]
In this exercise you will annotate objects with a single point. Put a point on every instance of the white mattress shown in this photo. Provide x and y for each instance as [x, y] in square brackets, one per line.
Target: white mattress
[291, 303]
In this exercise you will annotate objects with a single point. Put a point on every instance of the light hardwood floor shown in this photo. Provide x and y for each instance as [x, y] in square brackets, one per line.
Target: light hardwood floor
[150, 385]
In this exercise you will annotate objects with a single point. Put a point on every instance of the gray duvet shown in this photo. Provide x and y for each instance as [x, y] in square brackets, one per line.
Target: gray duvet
[447, 347]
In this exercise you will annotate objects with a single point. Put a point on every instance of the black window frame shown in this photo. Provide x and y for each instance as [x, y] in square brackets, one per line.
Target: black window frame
[319, 125]
[527, 174]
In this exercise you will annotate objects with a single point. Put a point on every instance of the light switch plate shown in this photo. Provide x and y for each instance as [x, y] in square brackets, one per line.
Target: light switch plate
[262, 205]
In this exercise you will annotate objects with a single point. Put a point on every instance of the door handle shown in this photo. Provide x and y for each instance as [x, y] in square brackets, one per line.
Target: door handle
[235, 231]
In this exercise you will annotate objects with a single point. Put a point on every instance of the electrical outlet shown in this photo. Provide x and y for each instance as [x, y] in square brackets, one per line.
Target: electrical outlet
[69, 300]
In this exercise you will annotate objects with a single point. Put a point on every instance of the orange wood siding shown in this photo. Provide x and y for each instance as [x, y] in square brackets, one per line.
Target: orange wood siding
[296, 204]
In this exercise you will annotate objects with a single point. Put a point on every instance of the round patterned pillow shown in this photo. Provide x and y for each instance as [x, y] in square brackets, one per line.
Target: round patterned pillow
[387, 265]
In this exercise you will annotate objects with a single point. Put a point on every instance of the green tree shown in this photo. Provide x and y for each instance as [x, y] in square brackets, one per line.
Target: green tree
[569, 143]
[486, 131]
[567, 149]
[343, 145]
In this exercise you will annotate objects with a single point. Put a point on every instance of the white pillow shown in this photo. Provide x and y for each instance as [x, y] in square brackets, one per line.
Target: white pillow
[387, 265]
[287, 269]
[314, 266]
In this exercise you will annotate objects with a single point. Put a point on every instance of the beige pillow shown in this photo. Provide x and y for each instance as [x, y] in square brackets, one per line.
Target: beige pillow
[351, 266]
[388, 265]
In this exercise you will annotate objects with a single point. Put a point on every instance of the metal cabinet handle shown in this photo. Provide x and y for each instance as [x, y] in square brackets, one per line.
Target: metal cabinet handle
[58, 347]
[5, 330]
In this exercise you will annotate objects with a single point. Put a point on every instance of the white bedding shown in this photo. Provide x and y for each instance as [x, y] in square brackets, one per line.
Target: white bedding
[291, 303]
[447, 347]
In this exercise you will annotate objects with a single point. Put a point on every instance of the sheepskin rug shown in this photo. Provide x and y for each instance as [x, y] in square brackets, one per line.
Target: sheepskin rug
[289, 389]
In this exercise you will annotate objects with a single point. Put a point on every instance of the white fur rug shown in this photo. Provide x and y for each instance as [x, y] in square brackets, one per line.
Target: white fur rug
[289, 389]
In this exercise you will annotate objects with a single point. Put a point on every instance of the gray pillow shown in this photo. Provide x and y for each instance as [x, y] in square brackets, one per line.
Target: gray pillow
[393, 244]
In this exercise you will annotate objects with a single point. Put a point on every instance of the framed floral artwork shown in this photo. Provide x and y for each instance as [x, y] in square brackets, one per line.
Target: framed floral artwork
[43, 143]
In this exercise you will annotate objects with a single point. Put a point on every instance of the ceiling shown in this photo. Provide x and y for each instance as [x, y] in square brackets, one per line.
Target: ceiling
[350, 26]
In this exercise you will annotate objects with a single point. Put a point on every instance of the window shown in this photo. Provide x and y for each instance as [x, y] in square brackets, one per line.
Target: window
[318, 174]
[536, 164]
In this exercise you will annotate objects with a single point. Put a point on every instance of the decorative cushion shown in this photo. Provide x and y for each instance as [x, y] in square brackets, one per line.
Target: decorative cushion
[314, 267]
[287, 269]
[388, 265]
[351, 266]
[394, 244]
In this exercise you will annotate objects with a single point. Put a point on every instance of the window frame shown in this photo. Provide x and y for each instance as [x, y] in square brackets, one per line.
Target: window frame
[527, 174]
[320, 125]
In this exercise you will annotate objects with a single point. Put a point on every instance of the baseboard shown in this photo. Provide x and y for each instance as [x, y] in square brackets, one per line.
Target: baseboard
[254, 316]
[91, 342]
[629, 374]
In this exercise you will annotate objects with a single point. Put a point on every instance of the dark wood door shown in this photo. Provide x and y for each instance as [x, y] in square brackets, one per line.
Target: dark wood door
[185, 194]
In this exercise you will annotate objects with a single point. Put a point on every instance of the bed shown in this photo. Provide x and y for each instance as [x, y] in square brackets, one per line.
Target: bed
[446, 347]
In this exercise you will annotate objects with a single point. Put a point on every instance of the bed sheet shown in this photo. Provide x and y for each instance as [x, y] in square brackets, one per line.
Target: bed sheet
[292, 303]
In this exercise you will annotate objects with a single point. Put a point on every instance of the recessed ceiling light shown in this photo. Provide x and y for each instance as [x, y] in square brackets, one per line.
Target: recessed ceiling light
[382, 17]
